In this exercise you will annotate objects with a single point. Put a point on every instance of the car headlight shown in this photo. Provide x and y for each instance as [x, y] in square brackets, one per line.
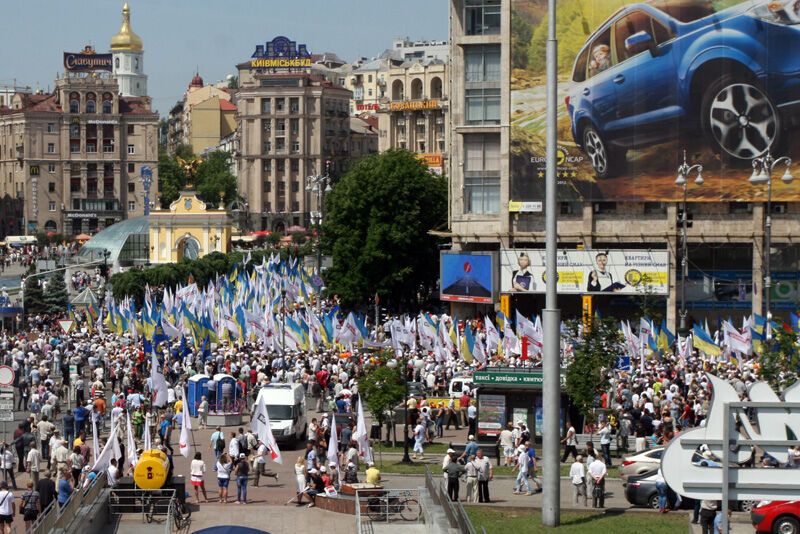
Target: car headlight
[779, 11]
[762, 503]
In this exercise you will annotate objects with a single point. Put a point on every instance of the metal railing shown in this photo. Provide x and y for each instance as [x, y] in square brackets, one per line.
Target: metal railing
[387, 506]
[151, 504]
[456, 515]
[60, 517]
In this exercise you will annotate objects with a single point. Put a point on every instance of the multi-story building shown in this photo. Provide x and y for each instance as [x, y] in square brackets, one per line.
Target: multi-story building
[201, 118]
[75, 156]
[407, 50]
[363, 136]
[496, 185]
[415, 116]
[292, 124]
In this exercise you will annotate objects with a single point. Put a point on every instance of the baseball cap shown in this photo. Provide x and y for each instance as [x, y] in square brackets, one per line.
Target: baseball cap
[470, 437]
[450, 451]
[241, 455]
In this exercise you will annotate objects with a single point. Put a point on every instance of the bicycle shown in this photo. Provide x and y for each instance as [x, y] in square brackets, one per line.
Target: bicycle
[382, 508]
[160, 505]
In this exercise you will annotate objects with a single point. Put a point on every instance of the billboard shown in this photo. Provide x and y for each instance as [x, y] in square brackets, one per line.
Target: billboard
[281, 54]
[628, 272]
[642, 83]
[467, 277]
[87, 61]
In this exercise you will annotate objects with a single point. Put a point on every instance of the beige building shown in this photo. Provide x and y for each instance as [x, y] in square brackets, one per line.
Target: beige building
[292, 124]
[363, 136]
[414, 115]
[201, 118]
[75, 156]
[725, 238]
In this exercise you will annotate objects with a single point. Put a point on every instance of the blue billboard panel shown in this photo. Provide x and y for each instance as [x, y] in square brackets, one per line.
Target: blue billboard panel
[467, 277]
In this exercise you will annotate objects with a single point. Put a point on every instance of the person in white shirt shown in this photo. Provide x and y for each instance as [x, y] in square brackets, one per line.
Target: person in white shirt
[261, 464]
[419, 439]
[577, 475]
[32, 462]
[233, 446]
[605, 441]
[7, 507]
[522, 472]
[198, 471]
[597, 480]
[506, 441]
[112, 473]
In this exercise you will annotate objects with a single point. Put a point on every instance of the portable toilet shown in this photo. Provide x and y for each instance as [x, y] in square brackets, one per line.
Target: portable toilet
[196, 388]
[220, 380]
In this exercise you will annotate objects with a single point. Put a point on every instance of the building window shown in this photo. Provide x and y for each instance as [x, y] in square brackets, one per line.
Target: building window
[294, 105]
[75, 131]
[131, 187]
[655, 208]
[295, 186]
[74, 106]
[295, 147]
[51, 187]
[280, 104]
[51, 127]
[267, 165]
[281, 165]
[295, 205]
[131, 149]
[295, 165]
[267, 186]
[280, 127]
[51, 168]
[51, 148]
[130, 129]
[605, 208]
[75, 147]
[51, 206]
[131, 167]
[116, 62]
[266, 105]
[91, 107]
[294, 126]
[481, 173]
[482, 17]
[482, 63]
[131, 205]
[107, 107]
[267, 147]
[483, 106]
[266, 124]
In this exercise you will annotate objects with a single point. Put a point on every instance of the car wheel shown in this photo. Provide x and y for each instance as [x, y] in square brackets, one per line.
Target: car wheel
[652, 501]
[605, 160]
[739, 119]
[747, 506]
[786, 525]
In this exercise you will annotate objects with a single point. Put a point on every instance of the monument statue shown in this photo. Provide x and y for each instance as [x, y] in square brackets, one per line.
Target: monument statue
[189, 167]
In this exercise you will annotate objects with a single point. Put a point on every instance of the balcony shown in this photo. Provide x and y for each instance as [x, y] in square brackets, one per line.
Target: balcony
[280, 132]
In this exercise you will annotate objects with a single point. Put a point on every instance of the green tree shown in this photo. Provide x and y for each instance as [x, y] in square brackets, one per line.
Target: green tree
[780, 359]
[521, 33]
[34, 295]
[170, 177]
[55, 299]
[377, 224]
[595, 351]
[213, 177]
[382, 388]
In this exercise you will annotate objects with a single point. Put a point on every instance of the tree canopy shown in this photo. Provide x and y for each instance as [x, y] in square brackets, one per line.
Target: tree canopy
[376, 226]
[55, 299]
[381, 388]
[213, 177]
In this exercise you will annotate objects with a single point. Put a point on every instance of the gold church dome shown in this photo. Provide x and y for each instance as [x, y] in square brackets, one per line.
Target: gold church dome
[126, 39]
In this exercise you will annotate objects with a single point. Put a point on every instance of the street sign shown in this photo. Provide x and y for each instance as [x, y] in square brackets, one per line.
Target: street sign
[6, 375]
[66, 325]
[6, 417]
[73, 369]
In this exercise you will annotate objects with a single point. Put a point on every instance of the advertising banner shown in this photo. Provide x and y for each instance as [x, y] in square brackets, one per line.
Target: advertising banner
[640, 84]
[492, 415]
[587, 271]
[87, 61]
[467, 277]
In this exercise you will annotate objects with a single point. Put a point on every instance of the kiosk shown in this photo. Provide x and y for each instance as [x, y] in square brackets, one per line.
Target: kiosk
[196, 389]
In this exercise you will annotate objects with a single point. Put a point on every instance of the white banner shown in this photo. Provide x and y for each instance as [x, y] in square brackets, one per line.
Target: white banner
[587, 271]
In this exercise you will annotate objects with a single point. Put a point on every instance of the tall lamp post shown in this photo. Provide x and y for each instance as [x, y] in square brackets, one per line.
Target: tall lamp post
[684, 172]
[319, 185]
[392, 364]
[762, 174]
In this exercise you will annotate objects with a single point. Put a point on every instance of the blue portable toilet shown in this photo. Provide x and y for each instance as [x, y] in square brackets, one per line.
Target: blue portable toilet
[219, 380]
[196, 388]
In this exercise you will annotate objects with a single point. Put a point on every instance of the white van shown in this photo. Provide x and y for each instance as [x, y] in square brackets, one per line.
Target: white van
[459, 385]
[286, 406]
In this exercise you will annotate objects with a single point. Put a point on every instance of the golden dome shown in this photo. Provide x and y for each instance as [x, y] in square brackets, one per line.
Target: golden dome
[126, 39]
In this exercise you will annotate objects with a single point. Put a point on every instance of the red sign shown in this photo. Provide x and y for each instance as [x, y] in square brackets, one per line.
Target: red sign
[368, 107]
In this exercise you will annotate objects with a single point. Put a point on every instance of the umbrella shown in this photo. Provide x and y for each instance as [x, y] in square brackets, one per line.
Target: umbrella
[82, 237]
[230, 529]
[51, 233]
[294, 229]
[261, 233]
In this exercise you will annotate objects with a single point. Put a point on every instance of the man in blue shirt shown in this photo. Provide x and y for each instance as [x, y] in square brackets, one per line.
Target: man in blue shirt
[164, 432]
[471, 448]
[80, 418]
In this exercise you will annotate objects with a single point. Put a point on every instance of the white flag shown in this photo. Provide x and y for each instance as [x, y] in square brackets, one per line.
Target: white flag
[261, 426]
[131, 445]
[158, 382]
[333, 444]
[95, 437]
[362, 437]
[148, 439]
[103, 460]
[186, 426]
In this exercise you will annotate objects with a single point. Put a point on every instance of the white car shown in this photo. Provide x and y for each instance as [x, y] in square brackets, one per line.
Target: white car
[641, 462]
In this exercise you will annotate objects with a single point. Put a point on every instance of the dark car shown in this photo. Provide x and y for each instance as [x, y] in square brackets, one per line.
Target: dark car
[657, 71]
[781, 517]
[640, 490]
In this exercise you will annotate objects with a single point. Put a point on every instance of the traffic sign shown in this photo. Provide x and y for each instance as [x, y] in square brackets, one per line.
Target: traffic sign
[6, 375]
[66, 325]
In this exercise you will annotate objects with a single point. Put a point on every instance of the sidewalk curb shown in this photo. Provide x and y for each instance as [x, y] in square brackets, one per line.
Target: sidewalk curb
[500, 477]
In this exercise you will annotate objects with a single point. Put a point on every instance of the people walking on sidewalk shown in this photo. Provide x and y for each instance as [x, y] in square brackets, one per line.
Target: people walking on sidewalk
[597, 478]
[522, 472]
[570, 442]
[577, 475]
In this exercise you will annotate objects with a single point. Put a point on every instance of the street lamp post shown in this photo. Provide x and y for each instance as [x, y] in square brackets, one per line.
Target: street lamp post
[684, 171]
[319, 185]
[762, 174]
[393, 363]
[283, 321]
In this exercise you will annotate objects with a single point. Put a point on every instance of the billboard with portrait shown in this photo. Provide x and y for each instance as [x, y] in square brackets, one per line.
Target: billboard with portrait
[587, 271]
[467, 277]
[642, 84]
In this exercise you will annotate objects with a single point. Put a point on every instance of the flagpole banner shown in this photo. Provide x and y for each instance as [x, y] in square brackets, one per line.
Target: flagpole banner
[642, 84]
[468, 277]
[587, 271]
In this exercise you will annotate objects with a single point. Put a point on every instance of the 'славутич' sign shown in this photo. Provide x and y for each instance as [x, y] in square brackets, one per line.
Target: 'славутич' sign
[639, 83]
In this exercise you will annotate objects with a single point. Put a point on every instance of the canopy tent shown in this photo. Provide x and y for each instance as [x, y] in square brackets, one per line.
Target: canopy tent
[85, 298]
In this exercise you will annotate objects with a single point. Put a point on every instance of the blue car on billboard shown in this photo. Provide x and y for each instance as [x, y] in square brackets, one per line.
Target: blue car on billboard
[664, 69]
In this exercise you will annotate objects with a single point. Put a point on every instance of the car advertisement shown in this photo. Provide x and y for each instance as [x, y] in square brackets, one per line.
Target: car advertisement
[467, 277]
[587, 271]
[644, 85]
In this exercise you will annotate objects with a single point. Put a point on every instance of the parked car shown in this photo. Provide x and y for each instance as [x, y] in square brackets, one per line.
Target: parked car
[779, 517]
[658, 71]
[641, 462]
[640, 490]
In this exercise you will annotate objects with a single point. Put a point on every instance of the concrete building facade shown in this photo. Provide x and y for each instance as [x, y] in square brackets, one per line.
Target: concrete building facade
[723, 235]
[291, 125]
[201, 118]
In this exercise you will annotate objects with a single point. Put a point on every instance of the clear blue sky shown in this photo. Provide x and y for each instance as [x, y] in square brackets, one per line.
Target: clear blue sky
[181, 35]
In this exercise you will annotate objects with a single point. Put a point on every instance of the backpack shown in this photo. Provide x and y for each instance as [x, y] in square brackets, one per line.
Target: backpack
[244, 447]
[219, 444]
